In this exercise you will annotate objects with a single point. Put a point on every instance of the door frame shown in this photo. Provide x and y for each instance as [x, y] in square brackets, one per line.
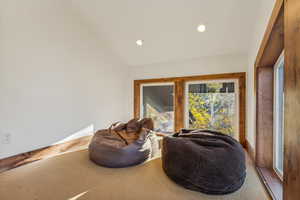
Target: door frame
[179, 99]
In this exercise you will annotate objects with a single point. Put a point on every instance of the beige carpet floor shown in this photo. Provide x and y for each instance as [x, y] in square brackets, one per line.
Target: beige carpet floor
[72, 176]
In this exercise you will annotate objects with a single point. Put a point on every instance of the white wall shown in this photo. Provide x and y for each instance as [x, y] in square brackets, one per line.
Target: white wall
[263, 16]
[201, 66]
[56, 76]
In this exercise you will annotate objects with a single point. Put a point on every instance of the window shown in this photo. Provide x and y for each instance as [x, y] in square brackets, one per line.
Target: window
[214, 102]
[212, 105]
[279, 115]
[158, 104]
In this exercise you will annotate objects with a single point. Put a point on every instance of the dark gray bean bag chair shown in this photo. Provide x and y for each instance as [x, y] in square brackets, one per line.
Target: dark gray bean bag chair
[124, 145]
[204, 161]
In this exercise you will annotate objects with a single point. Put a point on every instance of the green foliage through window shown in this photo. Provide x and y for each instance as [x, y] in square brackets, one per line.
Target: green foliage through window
[213, 109]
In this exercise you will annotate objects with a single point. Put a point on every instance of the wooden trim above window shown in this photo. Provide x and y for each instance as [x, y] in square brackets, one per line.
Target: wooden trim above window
[272, 43]
[179, 97]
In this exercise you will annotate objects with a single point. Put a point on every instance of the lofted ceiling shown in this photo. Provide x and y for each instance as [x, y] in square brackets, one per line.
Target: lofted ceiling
[169, 27]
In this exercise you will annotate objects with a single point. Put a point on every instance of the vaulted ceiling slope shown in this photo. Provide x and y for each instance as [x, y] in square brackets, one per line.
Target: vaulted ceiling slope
[169, 27]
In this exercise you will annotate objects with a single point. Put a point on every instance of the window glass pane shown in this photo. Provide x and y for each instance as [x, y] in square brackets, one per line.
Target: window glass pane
[279, 116]
[158, 104]
[213, 106]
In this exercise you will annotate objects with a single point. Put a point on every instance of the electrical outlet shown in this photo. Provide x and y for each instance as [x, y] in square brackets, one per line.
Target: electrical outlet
[6, 138]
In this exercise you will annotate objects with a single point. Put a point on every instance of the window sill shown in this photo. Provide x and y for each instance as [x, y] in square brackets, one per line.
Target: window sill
[271, 181]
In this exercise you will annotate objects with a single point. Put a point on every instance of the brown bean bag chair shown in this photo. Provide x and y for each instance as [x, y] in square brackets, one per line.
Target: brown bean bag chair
[204, 161]
[124, 145]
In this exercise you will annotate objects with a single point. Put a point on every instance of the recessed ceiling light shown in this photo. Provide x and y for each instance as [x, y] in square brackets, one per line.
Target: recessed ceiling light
[139, 42]
[201, 28]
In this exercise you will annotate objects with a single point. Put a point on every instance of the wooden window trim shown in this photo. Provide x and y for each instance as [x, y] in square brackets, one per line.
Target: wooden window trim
[270, 49]
[179, 97]
[291, 177]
